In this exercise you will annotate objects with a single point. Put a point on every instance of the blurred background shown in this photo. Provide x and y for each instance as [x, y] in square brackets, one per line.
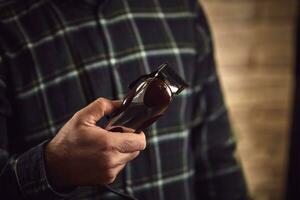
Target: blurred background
[255, 42]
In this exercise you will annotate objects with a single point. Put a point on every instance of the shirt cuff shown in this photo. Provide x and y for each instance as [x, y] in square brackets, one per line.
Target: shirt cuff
[32, 178]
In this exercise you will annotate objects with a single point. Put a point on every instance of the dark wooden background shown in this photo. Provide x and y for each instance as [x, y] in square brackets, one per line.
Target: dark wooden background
[254, 42]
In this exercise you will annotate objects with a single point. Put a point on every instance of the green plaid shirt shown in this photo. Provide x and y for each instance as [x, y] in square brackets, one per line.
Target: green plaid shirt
[56, 56]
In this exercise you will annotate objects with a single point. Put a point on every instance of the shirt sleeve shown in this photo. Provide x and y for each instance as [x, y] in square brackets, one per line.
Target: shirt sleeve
[22, 176]
[217, 173]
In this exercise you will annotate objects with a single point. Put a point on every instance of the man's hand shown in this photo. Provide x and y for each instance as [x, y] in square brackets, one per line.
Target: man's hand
[85, 154]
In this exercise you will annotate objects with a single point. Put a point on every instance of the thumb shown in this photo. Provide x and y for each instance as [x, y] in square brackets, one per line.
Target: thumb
[97, 109]
[129, 142]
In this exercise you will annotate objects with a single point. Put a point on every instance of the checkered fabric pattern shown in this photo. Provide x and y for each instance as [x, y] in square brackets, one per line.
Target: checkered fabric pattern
[56, 56]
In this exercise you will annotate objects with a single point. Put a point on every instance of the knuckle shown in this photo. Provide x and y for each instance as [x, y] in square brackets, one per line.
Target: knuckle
[76, 117]
[110, 180]
[135, 154]
[143, 142]
[101, 102]
[132, 145]
[110, 162]
[127, 145]
[110, 176]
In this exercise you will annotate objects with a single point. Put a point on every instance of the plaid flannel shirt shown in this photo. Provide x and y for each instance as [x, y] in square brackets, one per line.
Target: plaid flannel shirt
[56, 56]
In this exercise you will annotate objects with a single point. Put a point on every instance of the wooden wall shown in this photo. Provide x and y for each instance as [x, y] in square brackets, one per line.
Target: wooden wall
[254, 42]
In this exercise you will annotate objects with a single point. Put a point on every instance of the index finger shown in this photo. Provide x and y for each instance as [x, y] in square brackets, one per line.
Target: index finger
[98, 108]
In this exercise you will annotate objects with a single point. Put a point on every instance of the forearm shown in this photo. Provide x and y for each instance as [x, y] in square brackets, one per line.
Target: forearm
[24, 176]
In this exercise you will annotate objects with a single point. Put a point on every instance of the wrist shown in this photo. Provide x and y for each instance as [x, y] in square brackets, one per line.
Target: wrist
[53, 166]
[30, 171]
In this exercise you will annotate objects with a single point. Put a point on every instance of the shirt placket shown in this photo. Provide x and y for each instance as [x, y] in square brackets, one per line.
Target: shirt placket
[116, 83]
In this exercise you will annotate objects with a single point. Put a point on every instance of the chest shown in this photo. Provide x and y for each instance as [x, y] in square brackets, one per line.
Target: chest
[61, 57]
